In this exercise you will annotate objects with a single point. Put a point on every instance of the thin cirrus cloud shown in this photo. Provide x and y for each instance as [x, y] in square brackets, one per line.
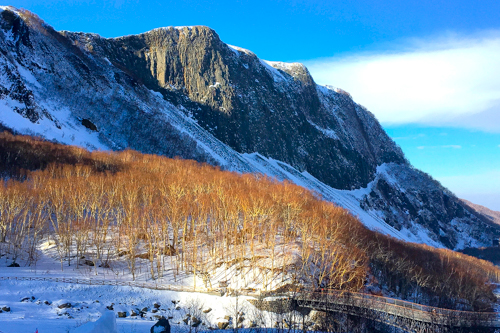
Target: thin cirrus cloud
[446, 81]
[444, 146]
[478, 188]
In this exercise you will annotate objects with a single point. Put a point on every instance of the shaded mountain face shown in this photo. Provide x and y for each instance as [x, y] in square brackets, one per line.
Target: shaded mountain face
[183, 92]
[252, 106]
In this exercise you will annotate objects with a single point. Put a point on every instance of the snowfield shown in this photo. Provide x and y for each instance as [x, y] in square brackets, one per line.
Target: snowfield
[88, 303]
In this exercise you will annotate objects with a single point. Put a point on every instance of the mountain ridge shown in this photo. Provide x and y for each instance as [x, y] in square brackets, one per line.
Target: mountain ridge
[490, 214]
[183, 92]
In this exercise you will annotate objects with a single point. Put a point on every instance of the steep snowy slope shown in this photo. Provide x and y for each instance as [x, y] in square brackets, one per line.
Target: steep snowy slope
[182, 92]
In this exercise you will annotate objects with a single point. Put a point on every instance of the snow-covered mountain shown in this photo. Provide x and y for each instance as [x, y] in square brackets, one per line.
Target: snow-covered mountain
[181, 91]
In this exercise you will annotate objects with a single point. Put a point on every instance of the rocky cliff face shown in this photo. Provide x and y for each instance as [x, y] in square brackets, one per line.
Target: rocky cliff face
[275, 109]
[183, 92]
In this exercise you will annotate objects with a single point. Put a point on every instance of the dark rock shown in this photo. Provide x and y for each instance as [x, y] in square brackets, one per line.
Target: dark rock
[154, 310]
[26, 299]
[207, 310]
[14, 264]
[156, 305]
[5, 308]
[133, 313]
[161, 326]
[122, 314]
[65, 305]
[195, 322]
[222, 325]
[144, 309]
[88, 262]
[90, 125]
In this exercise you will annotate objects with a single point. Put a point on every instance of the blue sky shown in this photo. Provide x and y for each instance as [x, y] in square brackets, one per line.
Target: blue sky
[427, 69]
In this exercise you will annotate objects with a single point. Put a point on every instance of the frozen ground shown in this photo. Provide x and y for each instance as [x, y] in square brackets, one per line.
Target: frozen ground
[89, 302]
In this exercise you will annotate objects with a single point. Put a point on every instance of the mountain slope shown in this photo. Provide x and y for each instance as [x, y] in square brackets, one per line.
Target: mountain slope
[492, 215]
[183, 92]
[253, 107]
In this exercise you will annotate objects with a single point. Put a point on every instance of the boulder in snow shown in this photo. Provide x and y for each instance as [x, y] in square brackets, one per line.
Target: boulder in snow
[161, 326]
[64, 305]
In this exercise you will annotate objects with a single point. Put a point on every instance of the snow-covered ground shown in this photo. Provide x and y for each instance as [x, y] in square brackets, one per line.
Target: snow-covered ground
[88, 303]
[238, 275]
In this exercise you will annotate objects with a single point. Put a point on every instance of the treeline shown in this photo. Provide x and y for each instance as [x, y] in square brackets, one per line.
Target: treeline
[438, 277]
[195, 218]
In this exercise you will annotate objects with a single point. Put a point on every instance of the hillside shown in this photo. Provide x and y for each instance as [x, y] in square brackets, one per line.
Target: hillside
[183, 92]
[492, 215]
[180, 222]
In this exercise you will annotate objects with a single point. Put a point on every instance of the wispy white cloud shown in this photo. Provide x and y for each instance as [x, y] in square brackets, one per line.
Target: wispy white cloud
[410, 137]
[451, 80]
[479, 188]
[444, 146]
